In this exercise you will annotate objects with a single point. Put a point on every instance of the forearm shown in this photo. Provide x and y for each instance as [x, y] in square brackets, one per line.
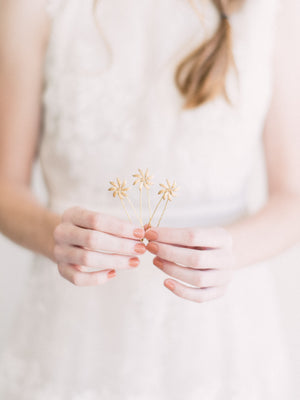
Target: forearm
[272, 229]
[25, 221]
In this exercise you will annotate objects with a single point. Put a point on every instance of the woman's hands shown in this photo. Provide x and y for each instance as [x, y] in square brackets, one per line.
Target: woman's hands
[87, 238]
[201, 257]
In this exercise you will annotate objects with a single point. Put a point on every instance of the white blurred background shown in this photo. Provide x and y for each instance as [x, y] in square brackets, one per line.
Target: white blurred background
[15, 264]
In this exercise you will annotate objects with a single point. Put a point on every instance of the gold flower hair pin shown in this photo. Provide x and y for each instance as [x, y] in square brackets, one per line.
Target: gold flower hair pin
[119, 189]
[144, 181]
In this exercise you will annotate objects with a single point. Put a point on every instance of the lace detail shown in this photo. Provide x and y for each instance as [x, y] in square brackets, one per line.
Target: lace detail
[105, 114]
[111, 105]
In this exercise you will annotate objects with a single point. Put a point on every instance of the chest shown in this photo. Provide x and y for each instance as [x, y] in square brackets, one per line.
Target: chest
[110, 94]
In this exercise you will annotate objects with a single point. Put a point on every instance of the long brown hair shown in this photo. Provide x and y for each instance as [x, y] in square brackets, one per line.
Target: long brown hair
[201, 75]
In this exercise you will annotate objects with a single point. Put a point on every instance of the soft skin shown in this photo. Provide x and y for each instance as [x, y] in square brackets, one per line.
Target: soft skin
[90, 239]
[202, 258]
[24, 32]
[276, 226]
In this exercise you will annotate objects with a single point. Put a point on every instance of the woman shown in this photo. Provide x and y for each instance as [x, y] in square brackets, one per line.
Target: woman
[96, 91]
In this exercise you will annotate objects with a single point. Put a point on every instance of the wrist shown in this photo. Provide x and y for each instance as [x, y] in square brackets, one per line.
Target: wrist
[51, 220]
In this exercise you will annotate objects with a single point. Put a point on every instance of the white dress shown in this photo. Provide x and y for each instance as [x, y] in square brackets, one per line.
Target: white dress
[110, 107]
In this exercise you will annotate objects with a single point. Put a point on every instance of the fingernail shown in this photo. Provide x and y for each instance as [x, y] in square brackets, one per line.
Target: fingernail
[158, 262]
[111, 274]
[151, 235]
[170, 285]
[140, 248]
[134, 262]
[139, 233]
[152, 247]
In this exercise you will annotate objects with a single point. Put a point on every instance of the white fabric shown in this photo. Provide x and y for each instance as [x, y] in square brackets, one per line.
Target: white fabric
[111, 107]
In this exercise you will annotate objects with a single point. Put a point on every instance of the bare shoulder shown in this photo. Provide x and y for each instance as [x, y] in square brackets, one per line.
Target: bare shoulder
[24, 19]
[24, 32]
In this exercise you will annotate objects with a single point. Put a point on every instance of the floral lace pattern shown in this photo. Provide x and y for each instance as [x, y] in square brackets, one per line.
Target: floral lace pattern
[107, 113]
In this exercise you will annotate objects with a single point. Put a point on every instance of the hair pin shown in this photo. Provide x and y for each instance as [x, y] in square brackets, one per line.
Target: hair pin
[143, 180]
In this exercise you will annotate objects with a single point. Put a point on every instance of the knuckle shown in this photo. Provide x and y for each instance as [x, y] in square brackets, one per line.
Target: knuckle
[91, 239]
[84, 257]
[120, 228]
[76, 209]
[76, 279]
[57, 232]
[65, 215]
[79, 268]
[195, 259]
[60, 269]
[68, 212]
[93, 220]
[192, 237]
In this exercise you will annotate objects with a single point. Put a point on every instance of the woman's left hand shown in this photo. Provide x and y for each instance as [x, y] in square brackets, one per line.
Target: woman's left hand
[201, 257]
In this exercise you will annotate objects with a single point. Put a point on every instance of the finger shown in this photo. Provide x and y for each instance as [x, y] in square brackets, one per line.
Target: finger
[214, 258]
[103, 222]
[76, 255]
[78, 278]
[95, 240]
[198, 278]
[191, 237]
[194, 294]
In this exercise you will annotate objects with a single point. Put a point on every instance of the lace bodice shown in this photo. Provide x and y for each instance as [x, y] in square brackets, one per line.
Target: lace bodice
[110, 107]
[111, 104]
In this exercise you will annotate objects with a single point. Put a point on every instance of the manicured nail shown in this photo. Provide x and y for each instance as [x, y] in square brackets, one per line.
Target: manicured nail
[139, 233]
[170, 285]
[140, 248]
[152, 247]
[151, 235]
[111, 274]
[134, 262]
[158, 262]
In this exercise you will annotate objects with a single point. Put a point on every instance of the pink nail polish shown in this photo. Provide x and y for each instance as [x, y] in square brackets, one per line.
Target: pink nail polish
[111, 274]
[158, 262]
[140, 248]
[170, 285]
[139, 233]
[134, 262]
[152, 247]
[151, 235]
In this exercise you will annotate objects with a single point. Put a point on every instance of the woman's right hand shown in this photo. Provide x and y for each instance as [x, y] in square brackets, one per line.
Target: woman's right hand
[85, 238]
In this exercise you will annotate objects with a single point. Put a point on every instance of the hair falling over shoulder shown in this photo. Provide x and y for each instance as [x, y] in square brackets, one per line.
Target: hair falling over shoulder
[201, 75]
